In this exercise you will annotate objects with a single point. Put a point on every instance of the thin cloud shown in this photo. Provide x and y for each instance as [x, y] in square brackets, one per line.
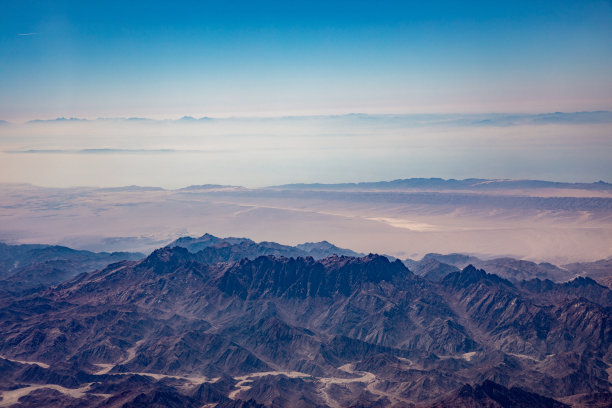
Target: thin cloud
[27, 34]
[113, 151]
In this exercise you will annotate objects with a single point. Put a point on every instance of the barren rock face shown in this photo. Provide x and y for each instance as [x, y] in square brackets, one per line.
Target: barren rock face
[194, 327]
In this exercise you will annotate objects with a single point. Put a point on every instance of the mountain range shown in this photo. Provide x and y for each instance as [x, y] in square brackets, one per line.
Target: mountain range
[499, 119]
[471, 184]
[233, 323]
[30, 267]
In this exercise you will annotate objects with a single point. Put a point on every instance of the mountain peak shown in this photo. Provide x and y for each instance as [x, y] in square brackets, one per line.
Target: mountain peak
[323, 249]
[470, 275]
[583, 281]
[166, 259]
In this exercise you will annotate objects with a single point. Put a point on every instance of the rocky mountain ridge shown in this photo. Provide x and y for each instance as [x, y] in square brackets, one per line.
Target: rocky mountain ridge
[31, 267]
[185, 328]
[180, 329]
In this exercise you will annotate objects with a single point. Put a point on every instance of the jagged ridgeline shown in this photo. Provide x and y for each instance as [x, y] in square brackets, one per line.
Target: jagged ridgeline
[234, 323]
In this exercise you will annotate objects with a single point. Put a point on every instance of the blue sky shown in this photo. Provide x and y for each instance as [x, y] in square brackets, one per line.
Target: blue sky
[224, 58]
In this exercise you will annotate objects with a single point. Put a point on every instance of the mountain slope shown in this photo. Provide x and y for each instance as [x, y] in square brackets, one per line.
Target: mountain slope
[30, 267]
[282, 331]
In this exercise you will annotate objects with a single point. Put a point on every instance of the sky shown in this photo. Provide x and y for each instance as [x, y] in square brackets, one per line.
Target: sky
[260, 152]
[266, 58]
[278, 76]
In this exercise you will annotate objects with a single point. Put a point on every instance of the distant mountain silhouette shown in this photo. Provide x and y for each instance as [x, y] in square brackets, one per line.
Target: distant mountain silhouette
[452, 184]
[28, 267]
[235, 249]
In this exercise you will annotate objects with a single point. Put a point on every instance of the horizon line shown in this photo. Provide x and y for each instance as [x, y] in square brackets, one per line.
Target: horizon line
[187, 118]
[212, 186]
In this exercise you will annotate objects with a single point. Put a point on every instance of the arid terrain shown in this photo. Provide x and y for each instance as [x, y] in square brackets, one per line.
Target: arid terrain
[538, 221]
[207, 321]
